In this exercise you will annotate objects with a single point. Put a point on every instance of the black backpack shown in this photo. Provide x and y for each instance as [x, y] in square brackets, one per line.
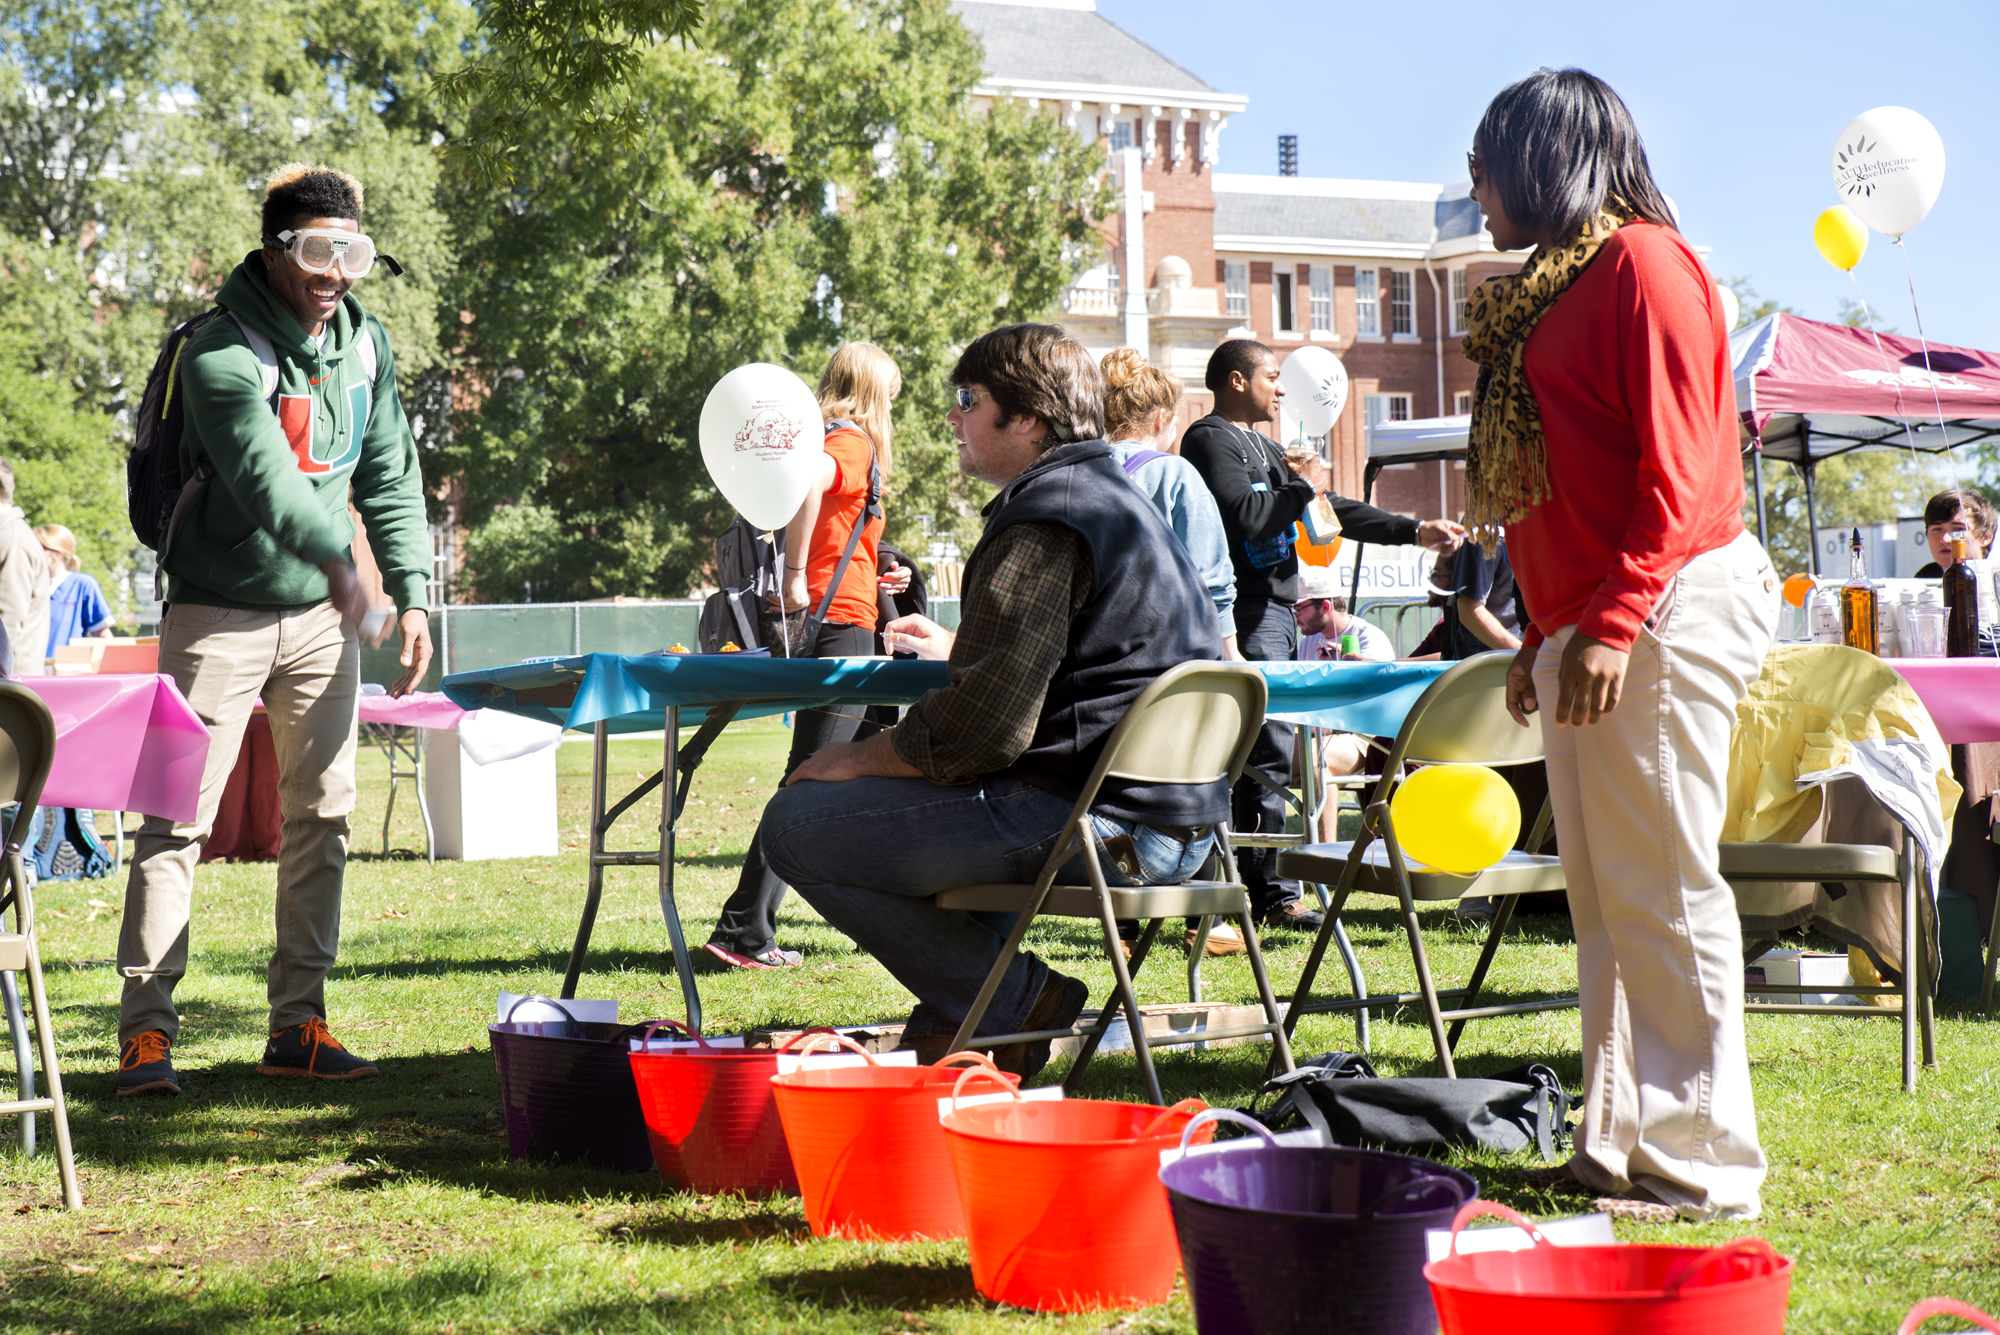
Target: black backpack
[1339, 1095]
[747, 563]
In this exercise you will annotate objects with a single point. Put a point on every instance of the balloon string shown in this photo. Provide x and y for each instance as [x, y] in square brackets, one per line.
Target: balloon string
[1909, 277]
[778, 579]
[1909, 436]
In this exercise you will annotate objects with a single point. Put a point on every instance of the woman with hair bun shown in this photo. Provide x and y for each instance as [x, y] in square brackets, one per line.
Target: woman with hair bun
[1604, 438]
[1139, 404]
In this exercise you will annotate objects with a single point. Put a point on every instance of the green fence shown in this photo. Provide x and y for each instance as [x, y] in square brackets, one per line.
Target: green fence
[468, 637]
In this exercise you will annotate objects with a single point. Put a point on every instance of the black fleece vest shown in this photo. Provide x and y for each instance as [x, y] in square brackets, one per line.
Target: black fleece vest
[1148, 611]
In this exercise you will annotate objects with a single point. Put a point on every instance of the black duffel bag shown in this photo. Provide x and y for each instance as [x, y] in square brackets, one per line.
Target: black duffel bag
[1340, 1096]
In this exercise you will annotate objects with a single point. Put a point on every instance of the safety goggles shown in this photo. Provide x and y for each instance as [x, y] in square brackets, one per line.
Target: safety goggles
[317, 250]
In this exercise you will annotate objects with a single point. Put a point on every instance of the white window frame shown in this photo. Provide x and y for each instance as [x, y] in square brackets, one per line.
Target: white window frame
[1236, 290]
[1403, 312]
[1367, 303]
[1461, 292]
[1291, 324]
[1384, 408]
[1120, 135]
[1461, 403]
[1319, 280]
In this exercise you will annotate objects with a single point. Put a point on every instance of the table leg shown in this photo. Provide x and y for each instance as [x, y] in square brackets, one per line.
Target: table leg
[423, 802]
[24, 1060]
[600, 748]
[669, 818]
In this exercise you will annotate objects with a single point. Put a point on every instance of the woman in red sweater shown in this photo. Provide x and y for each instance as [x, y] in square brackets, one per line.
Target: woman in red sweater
[1604, 440]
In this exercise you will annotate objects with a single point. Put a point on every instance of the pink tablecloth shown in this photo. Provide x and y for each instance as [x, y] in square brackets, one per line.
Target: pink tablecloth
[123, 743]
[418, 709]
[1962, 694]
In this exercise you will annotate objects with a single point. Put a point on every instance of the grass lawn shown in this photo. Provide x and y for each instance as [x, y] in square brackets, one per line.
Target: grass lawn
[251, 1204]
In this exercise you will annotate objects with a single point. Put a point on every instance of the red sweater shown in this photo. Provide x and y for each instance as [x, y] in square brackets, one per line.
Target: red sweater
[1630, 369]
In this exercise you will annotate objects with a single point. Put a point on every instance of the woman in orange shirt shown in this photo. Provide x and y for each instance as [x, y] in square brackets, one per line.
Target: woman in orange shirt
[855, 395]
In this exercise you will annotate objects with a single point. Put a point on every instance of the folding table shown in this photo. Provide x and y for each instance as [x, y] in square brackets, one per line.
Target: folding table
[624, 693]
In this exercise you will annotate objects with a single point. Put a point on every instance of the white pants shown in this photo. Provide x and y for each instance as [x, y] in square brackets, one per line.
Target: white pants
[1639, 805]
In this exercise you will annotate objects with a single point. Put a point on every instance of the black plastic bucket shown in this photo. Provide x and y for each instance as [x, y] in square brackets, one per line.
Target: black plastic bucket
[1289, 1238]
[566, 1087]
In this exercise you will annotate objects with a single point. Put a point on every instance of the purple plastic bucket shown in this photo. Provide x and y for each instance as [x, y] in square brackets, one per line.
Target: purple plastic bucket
[566, 1087]
[1289, 1238]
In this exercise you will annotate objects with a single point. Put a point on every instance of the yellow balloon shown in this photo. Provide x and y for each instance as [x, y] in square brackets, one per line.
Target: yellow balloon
[1456, 818]
[1841, 237]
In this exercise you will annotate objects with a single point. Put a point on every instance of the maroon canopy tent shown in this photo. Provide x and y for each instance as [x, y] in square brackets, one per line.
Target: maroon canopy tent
[1808, 391]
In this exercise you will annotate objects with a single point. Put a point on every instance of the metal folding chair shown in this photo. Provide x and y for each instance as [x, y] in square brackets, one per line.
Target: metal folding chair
[1461, 718]
[1192, 726]
[27, 749]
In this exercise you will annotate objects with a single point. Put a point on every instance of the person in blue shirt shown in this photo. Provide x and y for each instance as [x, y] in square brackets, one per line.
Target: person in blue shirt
[77, 608]
[1139, 403]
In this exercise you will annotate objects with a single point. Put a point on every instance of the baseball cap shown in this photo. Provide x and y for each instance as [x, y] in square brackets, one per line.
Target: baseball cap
[1316, 582]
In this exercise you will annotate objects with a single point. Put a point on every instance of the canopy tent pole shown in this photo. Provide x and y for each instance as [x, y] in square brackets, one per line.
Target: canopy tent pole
[1812, 521]
[1757, 481]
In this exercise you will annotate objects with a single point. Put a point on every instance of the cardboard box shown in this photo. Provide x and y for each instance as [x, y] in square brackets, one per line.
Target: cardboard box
[1800, 968]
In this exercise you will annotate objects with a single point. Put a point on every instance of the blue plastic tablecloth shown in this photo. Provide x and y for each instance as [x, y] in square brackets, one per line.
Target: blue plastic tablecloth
[630, 693]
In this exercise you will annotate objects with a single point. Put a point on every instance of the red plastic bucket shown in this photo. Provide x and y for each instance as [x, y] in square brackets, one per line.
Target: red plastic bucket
[868, 1147]
[1739, 1288]
[1064, 1211]
[1931, 1307]
[711, 1118]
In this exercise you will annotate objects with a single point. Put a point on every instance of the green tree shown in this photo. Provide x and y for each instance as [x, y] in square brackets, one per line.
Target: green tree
[813, 174]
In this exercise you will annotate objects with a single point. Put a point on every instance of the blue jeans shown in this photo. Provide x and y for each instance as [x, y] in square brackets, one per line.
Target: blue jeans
[870, 853]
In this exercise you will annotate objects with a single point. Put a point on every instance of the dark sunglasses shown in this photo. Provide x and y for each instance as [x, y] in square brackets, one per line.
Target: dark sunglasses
[968, 397]
[1472, 167]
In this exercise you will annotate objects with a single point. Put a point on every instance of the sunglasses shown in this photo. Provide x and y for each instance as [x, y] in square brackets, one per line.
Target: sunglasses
[968, 397]
[317, 250]
[1472, 168]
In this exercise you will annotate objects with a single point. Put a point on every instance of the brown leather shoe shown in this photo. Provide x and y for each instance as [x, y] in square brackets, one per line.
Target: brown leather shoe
[1222, 940]
[1061, 1001]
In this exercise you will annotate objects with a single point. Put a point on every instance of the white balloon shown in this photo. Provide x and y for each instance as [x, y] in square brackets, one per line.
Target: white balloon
[1732, 309]
[1315, 385]
[762, 438]
[1888, 166]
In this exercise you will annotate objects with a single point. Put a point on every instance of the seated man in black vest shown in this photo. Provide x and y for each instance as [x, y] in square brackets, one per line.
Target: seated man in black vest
[1077, 597]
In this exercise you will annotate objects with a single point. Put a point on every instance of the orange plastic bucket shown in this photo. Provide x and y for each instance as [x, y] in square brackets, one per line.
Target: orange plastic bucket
[1931, 1307]
[1739, 1288]
[711, 1118]
[1064, 1211]
[868, 1147]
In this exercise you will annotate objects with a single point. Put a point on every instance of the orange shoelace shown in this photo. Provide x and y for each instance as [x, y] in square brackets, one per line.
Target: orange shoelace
[314, 1035]
[144, 1050]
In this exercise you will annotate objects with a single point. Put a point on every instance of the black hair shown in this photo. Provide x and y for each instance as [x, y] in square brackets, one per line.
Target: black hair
[1240, 355]
[1976, 510]
[1557, 144]
[312, 192]
[1037, 370]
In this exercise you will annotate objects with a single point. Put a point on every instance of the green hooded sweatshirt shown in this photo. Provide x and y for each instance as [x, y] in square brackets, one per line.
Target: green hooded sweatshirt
[276, 509]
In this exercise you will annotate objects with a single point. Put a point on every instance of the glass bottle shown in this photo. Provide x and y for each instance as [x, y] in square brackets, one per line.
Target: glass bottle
[1857, 601]
[1961, 602]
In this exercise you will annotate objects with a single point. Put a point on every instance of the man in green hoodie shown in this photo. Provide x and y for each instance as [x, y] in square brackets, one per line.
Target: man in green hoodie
[291, 408]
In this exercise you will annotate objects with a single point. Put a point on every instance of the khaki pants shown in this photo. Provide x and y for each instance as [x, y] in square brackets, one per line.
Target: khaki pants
[1639, 801]
[305, 665]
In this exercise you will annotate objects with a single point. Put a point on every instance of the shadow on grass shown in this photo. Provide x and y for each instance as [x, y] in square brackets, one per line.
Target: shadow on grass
[890, 1284]
[700, 1230]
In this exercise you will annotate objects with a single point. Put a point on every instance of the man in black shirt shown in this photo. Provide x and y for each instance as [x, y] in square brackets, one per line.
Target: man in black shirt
[1487, 602]
[1261, 492]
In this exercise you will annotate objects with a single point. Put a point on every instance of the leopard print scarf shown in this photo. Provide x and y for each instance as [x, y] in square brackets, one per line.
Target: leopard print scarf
[1506, 470]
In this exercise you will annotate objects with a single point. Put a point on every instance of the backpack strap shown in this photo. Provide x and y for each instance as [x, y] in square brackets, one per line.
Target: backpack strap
[1139, 459]
[260, 347]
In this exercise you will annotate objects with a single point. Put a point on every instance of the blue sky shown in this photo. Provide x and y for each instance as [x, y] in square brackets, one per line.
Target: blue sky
[1739, 105]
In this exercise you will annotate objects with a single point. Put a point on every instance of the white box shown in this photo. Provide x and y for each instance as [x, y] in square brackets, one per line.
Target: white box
[1799, 968]
[506, 809]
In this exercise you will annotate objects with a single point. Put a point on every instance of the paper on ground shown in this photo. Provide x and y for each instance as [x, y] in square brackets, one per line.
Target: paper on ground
[543, 1011]
[819, 1061]
[1584, 1230]
[1043, 1094]
[675, 1044]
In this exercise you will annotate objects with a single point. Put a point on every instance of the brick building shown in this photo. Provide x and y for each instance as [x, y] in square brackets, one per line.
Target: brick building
[1375, 271]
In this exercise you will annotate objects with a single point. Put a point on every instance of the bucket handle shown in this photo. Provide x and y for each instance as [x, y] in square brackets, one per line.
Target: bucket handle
[658, 1025]
[991, 1072]
[1931, 1307]
[1471, 1210]
[804, 1034]
[536, 996]
[1735, 1249]
[1424, 1183]
[969, 1055]
[1184, 1108]
[840, 1040]
[1225, 1115]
